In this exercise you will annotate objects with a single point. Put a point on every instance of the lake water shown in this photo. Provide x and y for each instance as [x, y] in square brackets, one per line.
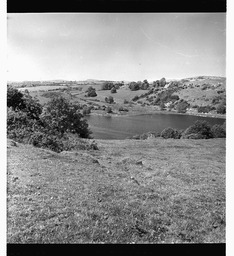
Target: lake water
[121, 127]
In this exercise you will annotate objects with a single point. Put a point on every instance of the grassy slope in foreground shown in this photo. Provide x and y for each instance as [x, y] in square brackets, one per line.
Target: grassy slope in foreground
[129, 191]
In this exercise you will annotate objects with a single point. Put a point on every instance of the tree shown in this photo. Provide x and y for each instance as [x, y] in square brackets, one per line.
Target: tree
[162, 82]
[201, 128]
[145, 85]
[182, 106]
[60, 116]
[218, 131]
[15, 98]
[221, 109]
[133, 86]
[169, 132]
[109, 100]
[24, 102]
[113, 90]
[156, 83]
[107, 85]
[91, 92]
[86, 111]
[109, 110]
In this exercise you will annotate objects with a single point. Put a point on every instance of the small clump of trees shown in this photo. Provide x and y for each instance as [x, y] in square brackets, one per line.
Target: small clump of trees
[110, 85]
[91, 92]
[50, 126]
[135, 86]
[159, 83]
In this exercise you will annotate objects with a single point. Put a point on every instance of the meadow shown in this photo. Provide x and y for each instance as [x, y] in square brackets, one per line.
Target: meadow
[150, 191]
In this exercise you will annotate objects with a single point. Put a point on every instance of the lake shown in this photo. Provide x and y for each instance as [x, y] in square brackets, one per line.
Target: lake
[121, 127]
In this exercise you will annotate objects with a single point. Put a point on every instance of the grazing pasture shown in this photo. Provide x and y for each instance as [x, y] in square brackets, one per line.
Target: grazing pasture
[150, 191]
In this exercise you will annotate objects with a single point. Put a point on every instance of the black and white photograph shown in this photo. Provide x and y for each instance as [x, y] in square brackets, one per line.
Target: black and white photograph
[116, 128]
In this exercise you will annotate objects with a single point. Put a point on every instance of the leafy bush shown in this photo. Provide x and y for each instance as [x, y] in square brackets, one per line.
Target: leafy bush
[204, 109]
[109, 110]
[109, 99]
[156, 83]
[216, 99]
[27, 124]
[133, 86]
[45, 140]
[218, 131]
[62, 116]
[182, 106]
[113, 90]
[221, 109]
[135, 98]
[24, 102]
[162, 82]
[107, 85]
[15, 98]
[144, 85]
[19, 126]
[200, 128]
[170, 133]
[126, 101]
[91, 92]
[72, 142]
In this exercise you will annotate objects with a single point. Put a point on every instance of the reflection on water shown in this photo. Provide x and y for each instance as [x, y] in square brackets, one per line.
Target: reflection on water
[121, 127]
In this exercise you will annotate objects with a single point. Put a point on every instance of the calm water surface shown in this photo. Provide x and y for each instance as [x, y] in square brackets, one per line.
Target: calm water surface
[121, 127]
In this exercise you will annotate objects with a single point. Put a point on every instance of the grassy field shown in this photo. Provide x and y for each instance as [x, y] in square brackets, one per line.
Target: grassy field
[151, 191]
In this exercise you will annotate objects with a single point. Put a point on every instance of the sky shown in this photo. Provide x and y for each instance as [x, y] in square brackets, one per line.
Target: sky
[115, 46]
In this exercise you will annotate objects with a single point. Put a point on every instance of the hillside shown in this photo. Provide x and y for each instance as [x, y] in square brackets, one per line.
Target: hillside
[149, 191]
[203, 95]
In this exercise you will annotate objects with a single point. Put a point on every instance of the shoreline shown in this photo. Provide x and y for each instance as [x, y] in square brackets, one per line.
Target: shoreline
[150, 112]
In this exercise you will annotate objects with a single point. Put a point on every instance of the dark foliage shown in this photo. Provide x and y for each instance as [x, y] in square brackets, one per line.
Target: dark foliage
[182, 106]
[91, 92]
[108, 110]
[107, 85]
[113, 90]
[201, 128]
[162, 82]
[133, 86]
[62, 116]
[109, 100]
[221, 108]
[204, 109]
[24, 102]
[135, 98]
[218, 131]
[15, 98]
[169, 132]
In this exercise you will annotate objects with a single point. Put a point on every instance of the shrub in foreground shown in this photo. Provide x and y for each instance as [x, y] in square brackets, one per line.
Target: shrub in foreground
[200, 130]
[62, 116]
[15, 98]
[218, 131]
[169, 132]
